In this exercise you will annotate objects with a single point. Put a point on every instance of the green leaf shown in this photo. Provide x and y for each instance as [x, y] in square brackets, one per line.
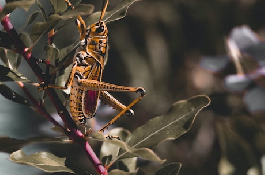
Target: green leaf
[170, 169]
[59, 6]
[26, 39]
[82, 9]
[6, 74]
[10, 7]
[108, 148]
[111, 150]
[41, 28]
[10, 59]
[52, 52]
[10, 145]
[44, 16]
[145, 153]
[42, 160]
[12, 95]
[65, 64]
[117, 13]
[3, 56]
[175, 122]
[32, 17]
[75, 2]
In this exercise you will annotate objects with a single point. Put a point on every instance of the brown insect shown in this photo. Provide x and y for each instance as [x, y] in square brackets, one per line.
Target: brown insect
[86, 75]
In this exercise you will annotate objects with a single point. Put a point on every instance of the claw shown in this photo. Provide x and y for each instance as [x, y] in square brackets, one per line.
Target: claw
[42, 86]
[141, 90]
[129, 112]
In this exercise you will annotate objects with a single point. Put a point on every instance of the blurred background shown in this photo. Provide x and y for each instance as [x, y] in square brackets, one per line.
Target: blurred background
[159, 46]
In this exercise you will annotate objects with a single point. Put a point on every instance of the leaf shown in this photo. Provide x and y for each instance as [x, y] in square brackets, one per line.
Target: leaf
[59, 6]
[175, 122]
[42, 160]
[52, 52]
[117, 13]
[214, 63]
[3, 57]
[170, 169]
[12, 95]
[10, 145]
[10, 59]
[82, 9]
[44, 16]
[41, 28]
[108, 148]
[64, 66]
[6, 74]
[111, 151]
[10, 7]
[26, 39]
[32, 17]
[145, 153]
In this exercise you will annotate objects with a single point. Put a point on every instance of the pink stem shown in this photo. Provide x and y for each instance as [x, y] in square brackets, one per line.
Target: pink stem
[74, 133]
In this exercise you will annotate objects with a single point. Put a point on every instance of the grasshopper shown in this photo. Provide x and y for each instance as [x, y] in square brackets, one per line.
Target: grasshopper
[86, 75]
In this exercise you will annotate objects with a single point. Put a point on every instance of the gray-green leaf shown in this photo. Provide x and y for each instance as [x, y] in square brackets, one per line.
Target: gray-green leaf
[52, 52]
[44, 16]
[108, 148]
[32, 17]
[10, 7]
[117, 13]
[175, 122]
[145, 153]
[42, 160]
[12, 95]
[10, 145]
[59, 6]
[10, 59]
[6, 74]
[41, 28]
[170, 169]
[26, 39]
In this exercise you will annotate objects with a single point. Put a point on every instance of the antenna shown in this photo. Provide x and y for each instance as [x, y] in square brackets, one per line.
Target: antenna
[104, 8]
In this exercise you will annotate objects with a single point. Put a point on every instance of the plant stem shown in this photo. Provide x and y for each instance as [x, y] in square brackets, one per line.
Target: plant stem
[74, 133]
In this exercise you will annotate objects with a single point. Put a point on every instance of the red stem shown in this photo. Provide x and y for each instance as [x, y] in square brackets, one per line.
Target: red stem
[74, 133]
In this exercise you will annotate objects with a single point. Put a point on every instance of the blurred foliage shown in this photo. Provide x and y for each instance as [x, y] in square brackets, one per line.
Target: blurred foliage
[158, 45]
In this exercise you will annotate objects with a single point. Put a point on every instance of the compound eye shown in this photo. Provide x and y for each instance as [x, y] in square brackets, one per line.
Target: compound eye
[100, 29]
